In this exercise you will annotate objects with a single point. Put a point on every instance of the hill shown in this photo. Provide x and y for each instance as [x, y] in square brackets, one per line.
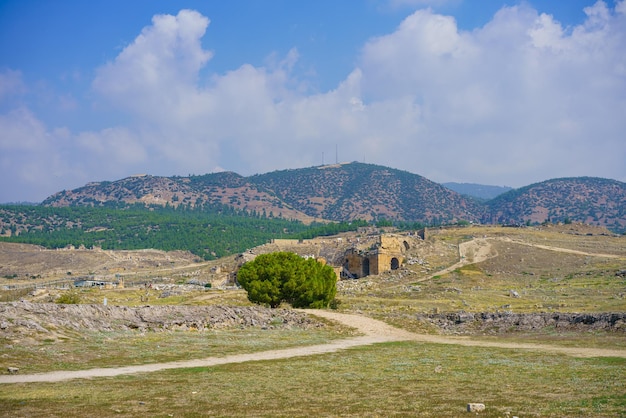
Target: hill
[340, 192]
[193, 192]
[590, 200]
[351, 191]
[345, 192]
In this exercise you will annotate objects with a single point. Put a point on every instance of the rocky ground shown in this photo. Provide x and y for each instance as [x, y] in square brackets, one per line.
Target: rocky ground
[48, 320]
[24, 264]
[502, 322]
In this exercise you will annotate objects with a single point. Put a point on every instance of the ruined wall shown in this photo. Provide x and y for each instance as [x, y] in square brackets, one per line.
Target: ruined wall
[354, 262]
[392, 244]
[388, 255]
[374, 266]
[385, 262]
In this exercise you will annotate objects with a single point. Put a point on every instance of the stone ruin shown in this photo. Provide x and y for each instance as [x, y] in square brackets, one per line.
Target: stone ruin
[389, 253]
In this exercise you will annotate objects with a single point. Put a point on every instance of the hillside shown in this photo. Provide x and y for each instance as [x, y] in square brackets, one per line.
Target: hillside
[590, 200]
[345, 192]
[339, 192]
[224, 188]
[370, 192]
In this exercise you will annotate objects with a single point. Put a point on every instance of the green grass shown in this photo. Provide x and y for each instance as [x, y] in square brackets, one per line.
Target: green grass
[393, 379]
[111, 349]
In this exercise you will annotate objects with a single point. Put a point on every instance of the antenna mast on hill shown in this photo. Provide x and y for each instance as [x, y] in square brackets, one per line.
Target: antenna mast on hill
[322, 157]
[336, 155]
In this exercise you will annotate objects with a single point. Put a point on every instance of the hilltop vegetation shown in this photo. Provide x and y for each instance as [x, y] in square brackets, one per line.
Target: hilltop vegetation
[590, 200]
[370, 192]
[373, 193]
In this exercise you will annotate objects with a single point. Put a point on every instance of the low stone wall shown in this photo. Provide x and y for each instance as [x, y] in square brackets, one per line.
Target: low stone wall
[499, 322]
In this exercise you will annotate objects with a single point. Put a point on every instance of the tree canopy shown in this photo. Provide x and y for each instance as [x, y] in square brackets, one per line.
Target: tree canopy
[286, 277]
[209, 232]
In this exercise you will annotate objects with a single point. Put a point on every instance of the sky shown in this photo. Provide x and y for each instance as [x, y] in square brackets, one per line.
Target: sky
[497, 92]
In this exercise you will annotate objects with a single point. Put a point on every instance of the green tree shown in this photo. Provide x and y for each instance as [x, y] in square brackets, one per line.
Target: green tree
[286, 277]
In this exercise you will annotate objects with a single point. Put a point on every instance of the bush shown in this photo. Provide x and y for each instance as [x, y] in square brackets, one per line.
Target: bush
[273, 278]
[71, 297]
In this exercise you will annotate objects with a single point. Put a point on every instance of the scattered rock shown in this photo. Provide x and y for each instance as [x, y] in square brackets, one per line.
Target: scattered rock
[475, 407]
[513, 293]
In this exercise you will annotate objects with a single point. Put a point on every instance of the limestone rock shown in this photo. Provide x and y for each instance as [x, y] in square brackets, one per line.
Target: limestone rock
[27, 318]
[475, 407]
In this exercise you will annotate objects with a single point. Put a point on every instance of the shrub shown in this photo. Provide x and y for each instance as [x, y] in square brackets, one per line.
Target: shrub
[71, 297]
[273, 278]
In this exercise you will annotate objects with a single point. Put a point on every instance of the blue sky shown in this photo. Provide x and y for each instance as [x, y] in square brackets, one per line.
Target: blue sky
[493, 92]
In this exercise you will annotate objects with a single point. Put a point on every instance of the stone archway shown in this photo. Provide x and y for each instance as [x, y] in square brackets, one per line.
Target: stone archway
[395, 263]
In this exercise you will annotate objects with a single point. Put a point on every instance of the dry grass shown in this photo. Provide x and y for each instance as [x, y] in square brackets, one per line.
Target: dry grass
[77, 351]
[141, 296]
[393, 379]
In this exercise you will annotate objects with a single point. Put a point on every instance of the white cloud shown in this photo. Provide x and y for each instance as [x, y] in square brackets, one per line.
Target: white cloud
[158, 68]
[504, 102]
[29, 157]
[519, 100]
[21, 131]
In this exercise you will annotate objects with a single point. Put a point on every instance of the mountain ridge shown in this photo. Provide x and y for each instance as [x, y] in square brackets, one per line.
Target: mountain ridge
[349, 191]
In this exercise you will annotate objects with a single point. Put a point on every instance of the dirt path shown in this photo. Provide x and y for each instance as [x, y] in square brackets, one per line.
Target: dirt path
[374, 327]
[559, 249]
[470, 252]
[375, 332]
[480, 249]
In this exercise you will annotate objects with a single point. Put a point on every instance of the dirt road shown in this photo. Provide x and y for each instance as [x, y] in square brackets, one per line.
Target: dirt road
[374, 332]
[560, 249]
[480, 249]
[473, 251]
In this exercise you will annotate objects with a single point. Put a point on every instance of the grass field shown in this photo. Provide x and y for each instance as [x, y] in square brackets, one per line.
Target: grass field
[391, 379]
[125, 348]
[388, 379]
